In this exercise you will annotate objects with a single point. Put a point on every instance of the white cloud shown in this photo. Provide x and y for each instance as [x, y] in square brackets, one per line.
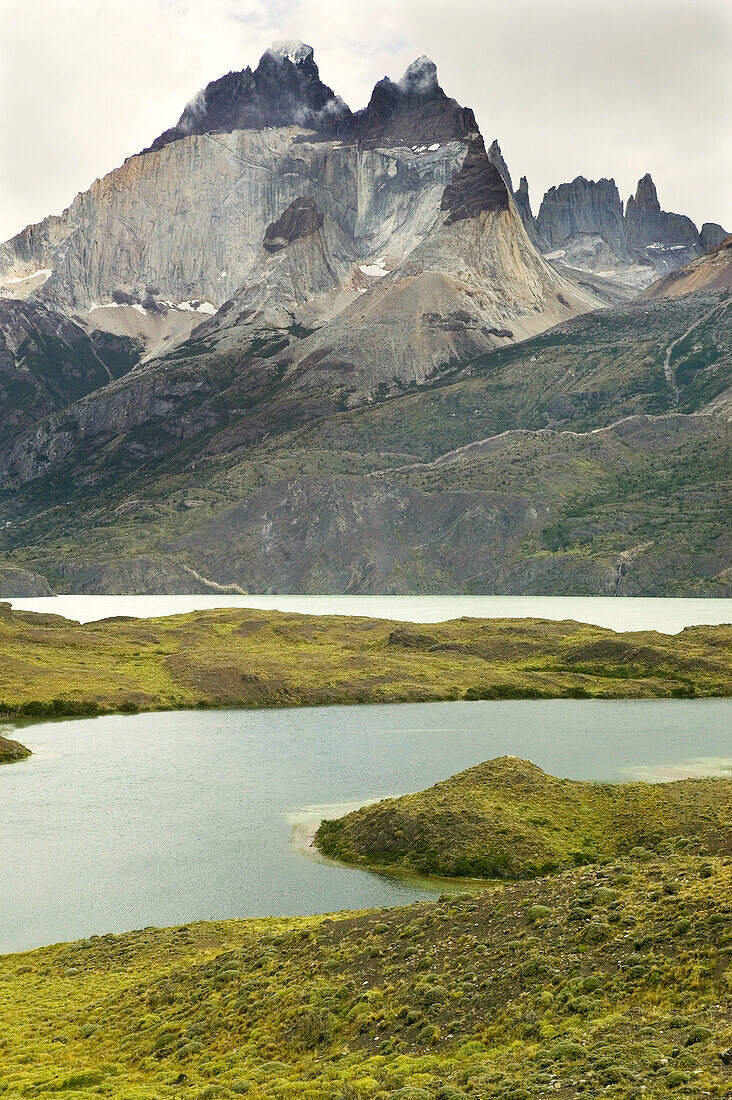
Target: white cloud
[598, 87]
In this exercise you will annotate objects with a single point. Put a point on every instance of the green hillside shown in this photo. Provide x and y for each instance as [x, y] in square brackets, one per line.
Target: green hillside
[374, 498]
[611, 982]
[507, 818]
[232, 657]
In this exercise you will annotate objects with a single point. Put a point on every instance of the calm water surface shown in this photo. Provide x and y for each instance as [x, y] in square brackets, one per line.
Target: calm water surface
[126, 821]
[629, 613]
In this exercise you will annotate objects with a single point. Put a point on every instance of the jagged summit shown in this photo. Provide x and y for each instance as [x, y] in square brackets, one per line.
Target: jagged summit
[646, 196]
[414, 110]
[420, 77]
[285, 89]
[291, 49]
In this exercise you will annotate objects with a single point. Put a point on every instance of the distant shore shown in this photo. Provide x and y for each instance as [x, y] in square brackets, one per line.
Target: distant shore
[252, 658]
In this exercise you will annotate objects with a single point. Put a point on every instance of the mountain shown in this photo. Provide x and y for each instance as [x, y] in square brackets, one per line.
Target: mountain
[278, 311]
[583, 224]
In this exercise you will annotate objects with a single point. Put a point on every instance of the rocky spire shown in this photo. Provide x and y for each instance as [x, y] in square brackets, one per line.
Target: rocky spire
[523, 205]
[648, 226]
[495, 156]
[285, 89]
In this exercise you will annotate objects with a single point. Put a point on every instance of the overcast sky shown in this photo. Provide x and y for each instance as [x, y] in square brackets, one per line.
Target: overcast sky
[569, 87]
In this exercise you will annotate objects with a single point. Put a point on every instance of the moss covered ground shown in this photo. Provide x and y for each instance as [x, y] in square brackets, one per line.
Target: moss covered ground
[506, 818]
[50, 666]
[609, 981]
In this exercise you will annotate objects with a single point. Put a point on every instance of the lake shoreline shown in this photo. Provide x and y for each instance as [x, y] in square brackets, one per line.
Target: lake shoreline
[138, 820]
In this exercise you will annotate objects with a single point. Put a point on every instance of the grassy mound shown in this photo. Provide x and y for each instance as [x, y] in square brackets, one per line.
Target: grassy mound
[10, 751]
[507, 818]
[597, 982]
[51, 667]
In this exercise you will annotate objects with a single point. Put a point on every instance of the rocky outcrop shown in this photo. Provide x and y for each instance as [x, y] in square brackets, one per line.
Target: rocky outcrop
[17, 582]
[711, 235]
[712, 271]
[11, 751]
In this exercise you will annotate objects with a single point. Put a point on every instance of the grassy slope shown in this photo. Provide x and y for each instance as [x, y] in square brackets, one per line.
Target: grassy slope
[230, 657]
[611, 982]
[507, 818]
[580, 376]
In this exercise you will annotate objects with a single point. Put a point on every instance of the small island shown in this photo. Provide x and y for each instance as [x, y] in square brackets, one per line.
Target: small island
[508, 819]
[10, 751]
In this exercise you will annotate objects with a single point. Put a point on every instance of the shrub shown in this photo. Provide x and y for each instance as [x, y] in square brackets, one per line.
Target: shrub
[536, 913]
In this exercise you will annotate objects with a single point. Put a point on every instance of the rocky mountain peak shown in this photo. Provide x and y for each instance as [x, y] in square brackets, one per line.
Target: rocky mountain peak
[648, 227]
[291, 49]
[285, 89]
[646, 196]
[711, 235]
[582, 207]
[420, 77]
[413, 110]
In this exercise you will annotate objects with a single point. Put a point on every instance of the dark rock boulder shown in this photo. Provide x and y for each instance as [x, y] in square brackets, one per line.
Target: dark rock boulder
[10, 751]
